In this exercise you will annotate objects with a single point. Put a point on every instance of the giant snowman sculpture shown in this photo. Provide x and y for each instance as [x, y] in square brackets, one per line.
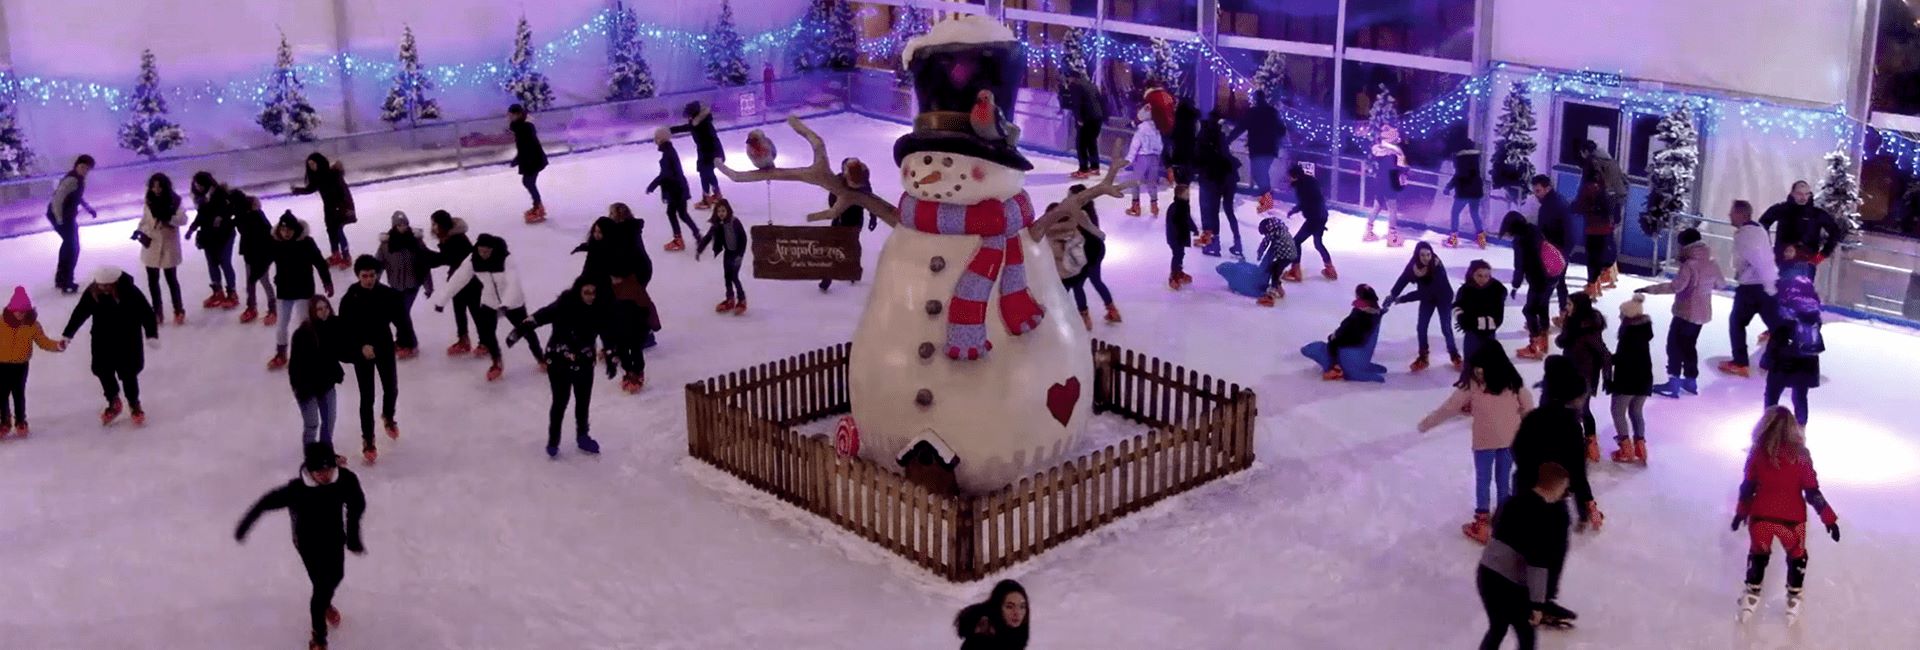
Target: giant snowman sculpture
[969, 342]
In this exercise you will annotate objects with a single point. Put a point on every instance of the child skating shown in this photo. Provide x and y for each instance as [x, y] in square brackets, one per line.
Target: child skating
[1792, 357]
[1583, 341]
[1491, 392]
[20, 332]
[1434, 293]
[1692, 288]
[256, 253]
[1277, 253]
[1094, 245]
[729, 241]
[1630, 381]
[1354, 330]
[1387, 164]
[1529, 539]
[296, 261]
[1143, 156]
[1180, 233]
[1779, 477]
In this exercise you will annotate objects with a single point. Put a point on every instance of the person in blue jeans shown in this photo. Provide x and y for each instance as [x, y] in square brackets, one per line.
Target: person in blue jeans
[1469, 190]
[63, 213]
[1491, 392]
[314, 371]
[1434, 293]
[1264, 131]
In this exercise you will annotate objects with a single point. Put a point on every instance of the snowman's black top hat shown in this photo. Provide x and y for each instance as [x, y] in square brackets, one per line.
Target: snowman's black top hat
[947, 80]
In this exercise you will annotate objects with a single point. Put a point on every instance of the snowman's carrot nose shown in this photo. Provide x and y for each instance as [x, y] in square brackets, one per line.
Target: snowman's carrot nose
[930, 179]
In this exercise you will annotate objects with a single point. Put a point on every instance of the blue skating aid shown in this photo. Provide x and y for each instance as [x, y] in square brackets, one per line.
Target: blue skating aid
[1244, 278]
[1356, 362]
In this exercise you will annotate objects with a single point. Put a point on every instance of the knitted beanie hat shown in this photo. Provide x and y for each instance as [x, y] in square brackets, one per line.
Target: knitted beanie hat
[1634, 308]
[108, 274]
[20, 301]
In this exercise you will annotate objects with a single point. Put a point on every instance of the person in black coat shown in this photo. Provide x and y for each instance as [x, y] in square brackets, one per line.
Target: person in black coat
[1555, 224]
[1183, 141]
[729, 242]
[1479, 308]
[1553, 433]
[121, 316]
[1264, 131]
[1080, 98]
[1002, 622]
[1468, 188]
[672, 183]
[528, 157]
[1583, 340]
[1354, 330]
[611, 267]
[1311, 204]
[580, 321]
[1528, 545]
[324, 504]
[707, 151]
[1180, 233]
[214, 220]
[329, 180]
[1530, 269]
[1630, 380]
[1219, 175]
[1095, 247]
[1796, 221]
[296, 260]
[313, 370]
[256, 252]
[371, 312]
[451, 233]
[857, 177]
[1434, 293]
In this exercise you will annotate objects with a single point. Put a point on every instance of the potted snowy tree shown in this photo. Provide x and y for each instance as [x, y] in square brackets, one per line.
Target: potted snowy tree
[725, 51]
[628, 75]
[286, 114]
[407, 100]
[528, 86]
[16, 156]
[148, 131]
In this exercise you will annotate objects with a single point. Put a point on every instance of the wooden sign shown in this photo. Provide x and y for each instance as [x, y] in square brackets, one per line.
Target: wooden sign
[806, 253]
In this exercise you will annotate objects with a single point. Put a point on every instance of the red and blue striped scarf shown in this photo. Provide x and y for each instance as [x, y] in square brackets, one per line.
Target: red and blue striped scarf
[998, 225]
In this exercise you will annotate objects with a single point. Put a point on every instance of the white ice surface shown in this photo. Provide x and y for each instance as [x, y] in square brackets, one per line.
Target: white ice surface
[1344, 535]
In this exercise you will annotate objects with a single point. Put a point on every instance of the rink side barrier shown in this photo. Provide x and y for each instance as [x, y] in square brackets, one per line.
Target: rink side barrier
[1200, 429]
[431, 148]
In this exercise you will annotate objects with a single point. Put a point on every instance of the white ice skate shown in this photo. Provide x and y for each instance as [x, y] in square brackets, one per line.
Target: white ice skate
[1748, 602]
[1793, 606]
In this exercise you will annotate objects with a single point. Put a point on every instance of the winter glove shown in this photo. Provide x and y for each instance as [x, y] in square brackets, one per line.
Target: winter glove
[1833, 530]
[872, 223]
[1737, 521]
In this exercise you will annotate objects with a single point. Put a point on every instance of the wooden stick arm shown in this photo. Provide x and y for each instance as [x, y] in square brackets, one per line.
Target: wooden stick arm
[1073, 204]
[818, 174]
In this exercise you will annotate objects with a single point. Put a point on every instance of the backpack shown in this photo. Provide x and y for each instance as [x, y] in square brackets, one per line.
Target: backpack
[1552, 260]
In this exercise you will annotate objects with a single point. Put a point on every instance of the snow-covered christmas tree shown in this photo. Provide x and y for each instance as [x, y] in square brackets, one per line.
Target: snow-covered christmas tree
[1673, 173]
[843, 37]
[808, 49]
[1271, 72]
[528, 86]
[16, 157]
[628, 75]
[908, 22]
[725, 52]
[287, 114]
[407, 101]
[1073, 52]
[1840, 195]
[1384, 115]
[1166, 68]
[1513, 137]
[147, 130]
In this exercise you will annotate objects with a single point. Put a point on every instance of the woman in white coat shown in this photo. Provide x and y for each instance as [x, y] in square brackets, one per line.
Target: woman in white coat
[499, 293]
[159, 237]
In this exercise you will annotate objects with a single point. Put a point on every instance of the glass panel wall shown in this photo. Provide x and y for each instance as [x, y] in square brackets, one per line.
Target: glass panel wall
[1437, 28]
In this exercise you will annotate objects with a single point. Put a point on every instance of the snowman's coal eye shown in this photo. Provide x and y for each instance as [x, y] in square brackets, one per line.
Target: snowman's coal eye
[926, 160]
[946, 162]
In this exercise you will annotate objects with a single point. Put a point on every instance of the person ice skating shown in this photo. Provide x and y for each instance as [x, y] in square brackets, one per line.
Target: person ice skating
[1082, 100]
[529, 158]
[325, 505]
[1469, 190]
[1182, 141]
[296, 260]
[999, 623]
[856, 175]
[1603, 217]
[1264, 131]
[1218, 173]
[1095, 246]
[313, 369]
[256, 252]
[20, 332]
[1528, 544]
[707, 152]
[1630, 381]
[1387, 164]
[1180, 233]
[1778, 486]
[1756, 273]
[1354, 330]
[1144, 156]
[121, 318]
[500, 296]
[617, 263]
[409, 270]
[1491, 392]
[214, 221]
[63, 213]
[1539, 265]
[1277, 252]
[1311, 205]
[728, 239]
[672, 183]
[1554, 432]
[370, 313]
[1434, 292]
[1555, 224]
[1798, 222]
[1792, 357]
[162, 217]
[1583, 341]
[455, 248]
[1692, 288]
[1479, 308]
[329, 180]
[580, 321]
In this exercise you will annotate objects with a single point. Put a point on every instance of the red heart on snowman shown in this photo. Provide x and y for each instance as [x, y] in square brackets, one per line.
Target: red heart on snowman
[1062, 397]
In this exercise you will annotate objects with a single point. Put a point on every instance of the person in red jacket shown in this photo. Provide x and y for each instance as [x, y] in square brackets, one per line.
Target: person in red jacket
[1779, 477]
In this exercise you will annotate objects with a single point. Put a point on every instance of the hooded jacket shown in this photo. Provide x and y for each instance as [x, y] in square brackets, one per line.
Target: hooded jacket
[1264, 131]
[706, 138]
[256, 234]
[1555, 219]
[315, 512]
[1584, 342]
[20, 331]
[1467, 183]
[1083, 100]
[121, 318]
[672, 179]
[296, 260]
[214, 217]
[1612, 182]
[1311, 204]
[1753, 257]
[1692, 287]
[407, 260]
[1632, 370]
[336, 199]
[1212, 159]
[318, 347]
[499, 284]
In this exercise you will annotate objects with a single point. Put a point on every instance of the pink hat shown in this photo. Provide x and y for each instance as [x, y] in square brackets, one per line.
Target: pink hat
[20, 302]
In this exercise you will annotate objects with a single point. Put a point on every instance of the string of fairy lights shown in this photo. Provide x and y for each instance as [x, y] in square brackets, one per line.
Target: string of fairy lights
[1436, 116]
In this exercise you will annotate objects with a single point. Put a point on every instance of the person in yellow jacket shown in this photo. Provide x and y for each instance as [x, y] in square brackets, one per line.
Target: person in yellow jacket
[19, 331]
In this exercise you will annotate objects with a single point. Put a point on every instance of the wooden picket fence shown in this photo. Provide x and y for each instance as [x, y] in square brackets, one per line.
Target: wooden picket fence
[1200, 429]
